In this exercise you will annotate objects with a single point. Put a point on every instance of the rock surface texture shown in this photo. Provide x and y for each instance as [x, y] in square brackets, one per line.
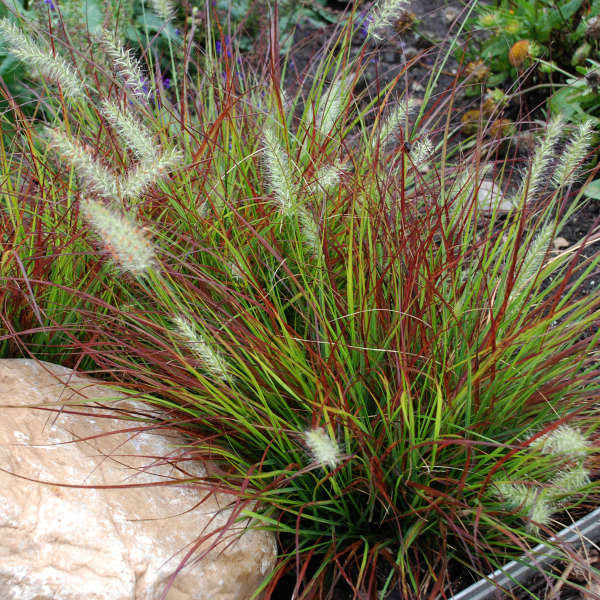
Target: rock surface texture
[67, 543]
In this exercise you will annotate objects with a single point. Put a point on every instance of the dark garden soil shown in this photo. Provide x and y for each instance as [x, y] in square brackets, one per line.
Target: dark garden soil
[427, 26]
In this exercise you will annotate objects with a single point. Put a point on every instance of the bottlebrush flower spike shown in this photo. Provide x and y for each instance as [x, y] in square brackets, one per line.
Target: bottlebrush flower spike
[330, 107]
[121, 237]
[565, 442]
[541, 159]
[384, 17]
[126, 66]
[530, 499]
[394, 120]
[52, 67]
[148, 171]
[137, 137]
[570, 481]
[324, 450]
[278, 170]
[97, 177]
[163, 8]
[573, 155]
[211, 359]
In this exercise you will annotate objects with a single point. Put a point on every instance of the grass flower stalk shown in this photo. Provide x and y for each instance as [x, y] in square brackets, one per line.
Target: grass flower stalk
[125, 241]
[96, 176]
[164, 9]
[394, 120]
[542, 158]
[324, 450]
[534, 258]
[573, 155]
[149, 171]
[132, 131]
[212, 360]
[326, 178]
[384, 16]
[330, 107]
[565, 441]
[53, 68]
[126, 65]
[278, 171]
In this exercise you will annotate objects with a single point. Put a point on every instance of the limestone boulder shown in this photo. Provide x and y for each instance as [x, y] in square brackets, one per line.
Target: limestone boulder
[61, 538]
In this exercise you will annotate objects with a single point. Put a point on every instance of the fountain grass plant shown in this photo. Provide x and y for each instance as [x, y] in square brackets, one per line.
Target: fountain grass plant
[306, 284]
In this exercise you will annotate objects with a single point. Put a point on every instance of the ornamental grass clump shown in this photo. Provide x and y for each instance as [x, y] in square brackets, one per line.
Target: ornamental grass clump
[378, 369]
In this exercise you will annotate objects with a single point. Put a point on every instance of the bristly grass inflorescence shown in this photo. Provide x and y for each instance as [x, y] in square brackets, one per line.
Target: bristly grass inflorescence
[52, 67]
[126, 242]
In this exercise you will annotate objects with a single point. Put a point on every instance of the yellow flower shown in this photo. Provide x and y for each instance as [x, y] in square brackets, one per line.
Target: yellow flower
[518, 53]
[512, 27]
[488, 20]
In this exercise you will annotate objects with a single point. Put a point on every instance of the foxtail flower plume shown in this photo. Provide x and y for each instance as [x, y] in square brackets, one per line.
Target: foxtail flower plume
[541, 160]
[308, 228]
[147, 172]
[394, 120]
[565, 442]
[330, 106]
[421, 152]
[136, 135]
[121, 236]
[126, 65]
[52, 67]
[210, 358]
[571, 481]
[323, 449]
[326, 178]
[573, 155]
[384, 17]
[163, 8]
[530, 499]
[96, 176]
[533, 260]
[278, 170]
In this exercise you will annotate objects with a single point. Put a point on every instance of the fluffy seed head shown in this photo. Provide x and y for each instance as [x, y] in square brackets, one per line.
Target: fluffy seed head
[384, 17]
[51, 67]
[324, 450]
[327, 178]
[565, 442]
[308, 228]
[421, 153]
[540, 513]
[95, 175]
[125, 64]
[573, 155]
[533, 261]
[395, 119]
[571, 481]
[541, 159]
[211, 358]
[121, 237]
[148, 171]
[529, 499]
[278, 171]
[136, 135]
[330, 106]
[163, 8]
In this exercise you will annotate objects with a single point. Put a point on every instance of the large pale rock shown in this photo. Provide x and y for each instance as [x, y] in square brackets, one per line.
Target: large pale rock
[67, 543]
